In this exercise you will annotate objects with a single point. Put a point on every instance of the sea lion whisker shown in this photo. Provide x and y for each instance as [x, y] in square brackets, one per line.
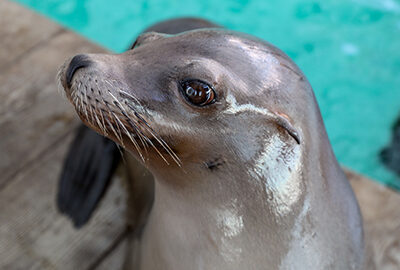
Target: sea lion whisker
[138, 132]
[160, 141]
[119, 137]
[99, 123]
[88, 106]
[84, 103]
[60, 88]
[124, 113]
[82, 107]
[156, 149]
[155, 135]
[114, 131]
[135, 144]
[102, 120]
[77, 103]
[92, 115]
[128, 96]
[129, 136]
[116, 85]
[118, 104]
[117, 126]
[121, 153]
[165, 146]
[145, 137]
[74, 97]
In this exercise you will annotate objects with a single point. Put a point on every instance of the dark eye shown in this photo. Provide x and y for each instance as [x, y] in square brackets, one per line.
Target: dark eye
[197, 92]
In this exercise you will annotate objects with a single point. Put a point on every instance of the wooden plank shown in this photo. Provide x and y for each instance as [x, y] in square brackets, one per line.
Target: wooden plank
[33, 235]
[380, 209]
[17, 34]
[33, 115]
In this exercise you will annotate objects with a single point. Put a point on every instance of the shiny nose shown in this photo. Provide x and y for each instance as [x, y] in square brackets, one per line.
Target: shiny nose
[79, 61]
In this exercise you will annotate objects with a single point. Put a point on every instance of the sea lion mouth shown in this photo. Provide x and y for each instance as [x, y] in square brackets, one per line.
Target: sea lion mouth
[105, 106]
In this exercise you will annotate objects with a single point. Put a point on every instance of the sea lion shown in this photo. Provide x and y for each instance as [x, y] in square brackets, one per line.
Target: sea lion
[228, 126]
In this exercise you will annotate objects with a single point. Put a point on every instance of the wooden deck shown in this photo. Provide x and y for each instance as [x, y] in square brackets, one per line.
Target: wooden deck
[36, 126]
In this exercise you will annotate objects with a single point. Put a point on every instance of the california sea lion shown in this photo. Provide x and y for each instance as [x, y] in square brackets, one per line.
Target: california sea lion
[245, 177]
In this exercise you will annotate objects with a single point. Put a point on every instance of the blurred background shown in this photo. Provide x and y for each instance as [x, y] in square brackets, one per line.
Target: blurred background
[348, 49]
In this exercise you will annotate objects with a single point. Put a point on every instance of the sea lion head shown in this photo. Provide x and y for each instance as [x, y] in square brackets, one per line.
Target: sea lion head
[185, 99]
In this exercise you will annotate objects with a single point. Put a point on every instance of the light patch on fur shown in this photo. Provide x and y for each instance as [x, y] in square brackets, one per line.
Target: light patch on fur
[278, 166]
[235, 108]
[302, 243]
[231, 224]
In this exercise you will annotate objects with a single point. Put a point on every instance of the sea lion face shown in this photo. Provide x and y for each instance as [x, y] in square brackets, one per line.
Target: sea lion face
[186, 99]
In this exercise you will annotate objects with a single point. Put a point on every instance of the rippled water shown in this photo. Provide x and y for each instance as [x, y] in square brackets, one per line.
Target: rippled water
[348, 49]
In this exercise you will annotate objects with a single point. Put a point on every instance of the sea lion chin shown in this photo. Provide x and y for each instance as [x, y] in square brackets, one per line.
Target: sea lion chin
[230, 129]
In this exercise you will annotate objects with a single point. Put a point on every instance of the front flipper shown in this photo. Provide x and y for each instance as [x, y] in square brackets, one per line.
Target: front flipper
[86, 175]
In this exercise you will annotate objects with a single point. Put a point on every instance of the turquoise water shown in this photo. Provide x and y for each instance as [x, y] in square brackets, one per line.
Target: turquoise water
[349, 50]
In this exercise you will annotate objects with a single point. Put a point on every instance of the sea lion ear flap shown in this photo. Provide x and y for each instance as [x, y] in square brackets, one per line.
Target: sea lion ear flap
[284, 122]
[148, 37]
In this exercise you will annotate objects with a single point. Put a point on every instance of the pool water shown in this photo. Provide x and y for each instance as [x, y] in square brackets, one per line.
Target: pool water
[348, 49]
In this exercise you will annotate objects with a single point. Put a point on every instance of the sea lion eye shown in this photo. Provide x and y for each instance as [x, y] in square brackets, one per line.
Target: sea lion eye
[197, 92]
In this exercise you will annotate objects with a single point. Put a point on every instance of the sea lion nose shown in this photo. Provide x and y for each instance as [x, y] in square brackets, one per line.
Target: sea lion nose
[77, 62]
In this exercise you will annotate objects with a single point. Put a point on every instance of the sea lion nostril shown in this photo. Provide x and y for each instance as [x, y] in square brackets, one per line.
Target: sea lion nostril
[79, 61]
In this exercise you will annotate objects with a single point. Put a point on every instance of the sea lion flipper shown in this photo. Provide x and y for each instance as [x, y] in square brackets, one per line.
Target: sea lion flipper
[86, 174]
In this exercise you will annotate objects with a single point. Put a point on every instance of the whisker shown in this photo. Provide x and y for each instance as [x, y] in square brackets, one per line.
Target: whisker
[102, 121]
[156, 149]
[160, 141]
[124, 112]
[82, 107]
[60, 88]
[130, 137]
[118, 104]
[166, 147]
[138, 131]
[128, 96]
[117, 125]
[115, 132]
[131, 123]
[99, 123]
[85, 103]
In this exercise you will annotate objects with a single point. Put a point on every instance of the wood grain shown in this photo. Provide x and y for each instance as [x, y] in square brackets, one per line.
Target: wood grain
[21, 31]
[380, 207]
[33, 115]
[33, 235]
[36, 126]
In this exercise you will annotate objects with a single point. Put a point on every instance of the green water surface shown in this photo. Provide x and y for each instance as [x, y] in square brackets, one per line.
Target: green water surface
[348, 49]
